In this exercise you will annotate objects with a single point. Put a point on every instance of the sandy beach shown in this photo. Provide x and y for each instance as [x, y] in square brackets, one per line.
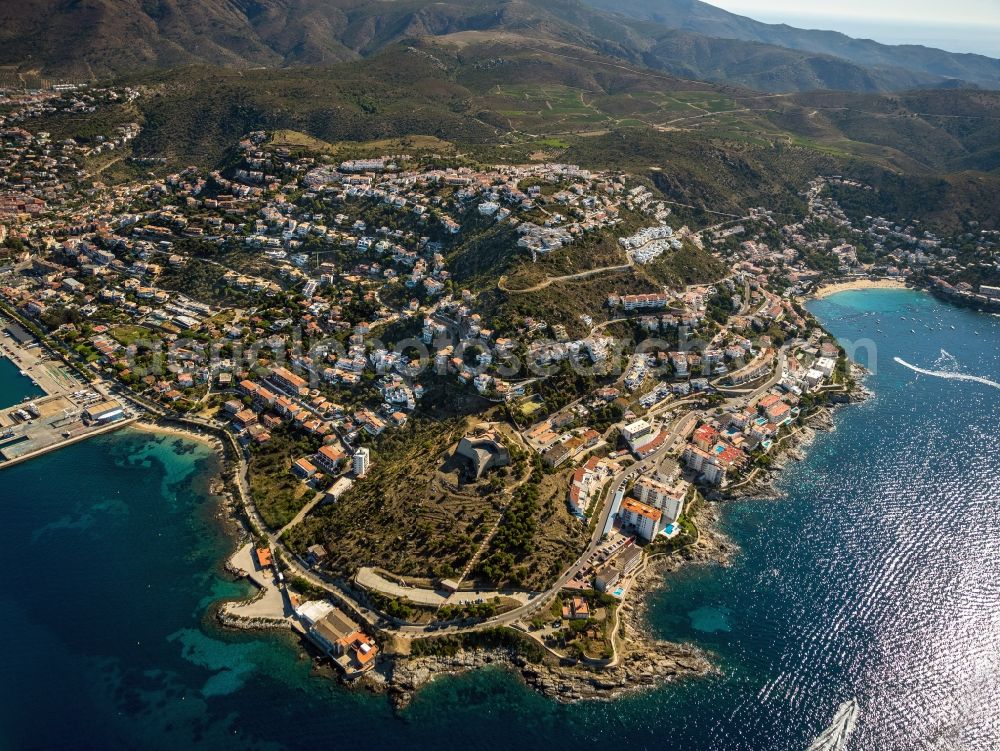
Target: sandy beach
[188, 433]
[831, 289]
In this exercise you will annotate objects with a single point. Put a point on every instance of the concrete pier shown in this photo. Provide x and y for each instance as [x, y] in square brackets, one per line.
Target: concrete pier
[58, 418]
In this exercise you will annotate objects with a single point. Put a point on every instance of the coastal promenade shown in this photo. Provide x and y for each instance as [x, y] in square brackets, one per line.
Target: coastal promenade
[369, 578]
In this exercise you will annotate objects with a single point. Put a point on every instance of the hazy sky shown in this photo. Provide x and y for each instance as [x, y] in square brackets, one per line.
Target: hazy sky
[955, 25]
[919, 11]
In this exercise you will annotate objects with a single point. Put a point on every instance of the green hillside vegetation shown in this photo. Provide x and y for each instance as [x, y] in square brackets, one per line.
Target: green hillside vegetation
[593, 251]
[194, 115]
[709, 147]
[937, 131]
[297, 141]
[415, 518]
[692, 15]
[563, 302]
[481, 260]
[948, 201]
[691, 40]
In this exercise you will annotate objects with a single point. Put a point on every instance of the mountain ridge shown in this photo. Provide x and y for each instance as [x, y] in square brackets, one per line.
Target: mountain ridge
[703, 18]
[99, 38]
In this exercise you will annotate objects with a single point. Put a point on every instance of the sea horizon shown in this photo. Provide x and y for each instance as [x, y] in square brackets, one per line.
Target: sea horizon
[982, 39]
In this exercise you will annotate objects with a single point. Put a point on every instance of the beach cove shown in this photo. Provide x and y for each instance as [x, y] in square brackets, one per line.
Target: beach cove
[839, 589]
[856, 285]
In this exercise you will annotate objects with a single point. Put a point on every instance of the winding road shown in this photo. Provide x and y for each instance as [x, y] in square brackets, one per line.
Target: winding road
[502, 281]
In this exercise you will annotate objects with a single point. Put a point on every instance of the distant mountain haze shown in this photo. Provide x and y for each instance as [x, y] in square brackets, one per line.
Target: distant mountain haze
[78, 39]
[961, 12]
[979, 39]
[692, 15]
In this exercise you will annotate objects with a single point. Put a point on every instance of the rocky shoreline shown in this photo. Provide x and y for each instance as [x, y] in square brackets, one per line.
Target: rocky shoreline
[401, 677]
[643, 662]
[763, 482]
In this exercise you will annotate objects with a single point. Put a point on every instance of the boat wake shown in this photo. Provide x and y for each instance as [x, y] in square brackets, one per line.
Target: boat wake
[948, 375]
[835, 737]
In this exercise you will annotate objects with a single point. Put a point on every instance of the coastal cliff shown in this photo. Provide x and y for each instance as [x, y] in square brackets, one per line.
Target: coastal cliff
[655, 664]
[639, 662]
[643, 661]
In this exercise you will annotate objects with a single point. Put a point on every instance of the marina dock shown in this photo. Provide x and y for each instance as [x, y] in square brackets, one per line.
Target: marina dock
[66, 411]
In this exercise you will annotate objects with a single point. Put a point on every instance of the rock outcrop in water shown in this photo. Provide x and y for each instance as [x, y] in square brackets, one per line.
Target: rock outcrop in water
[642, 668]
[644, 663]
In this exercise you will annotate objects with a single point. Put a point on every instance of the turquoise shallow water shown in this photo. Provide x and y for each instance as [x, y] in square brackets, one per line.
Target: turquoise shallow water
[875, 577]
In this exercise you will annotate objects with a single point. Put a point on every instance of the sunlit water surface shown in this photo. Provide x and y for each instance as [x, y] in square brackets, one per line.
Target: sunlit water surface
[876, 578]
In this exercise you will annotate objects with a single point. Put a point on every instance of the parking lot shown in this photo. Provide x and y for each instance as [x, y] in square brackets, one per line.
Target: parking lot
[51, 419]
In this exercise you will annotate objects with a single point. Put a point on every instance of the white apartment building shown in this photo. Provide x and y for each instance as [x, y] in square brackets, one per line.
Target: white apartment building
[361, 462]
[667, 498]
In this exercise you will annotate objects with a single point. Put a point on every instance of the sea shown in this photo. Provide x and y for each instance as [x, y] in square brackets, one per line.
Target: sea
[14, 387]
[874, 577]
[980, 37]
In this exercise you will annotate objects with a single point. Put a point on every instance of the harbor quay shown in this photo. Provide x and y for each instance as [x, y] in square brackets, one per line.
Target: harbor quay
[65, 411]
